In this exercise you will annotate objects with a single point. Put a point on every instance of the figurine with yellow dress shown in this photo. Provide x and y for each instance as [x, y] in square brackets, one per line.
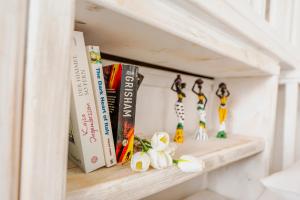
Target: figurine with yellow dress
[223, 94]
[178, 87]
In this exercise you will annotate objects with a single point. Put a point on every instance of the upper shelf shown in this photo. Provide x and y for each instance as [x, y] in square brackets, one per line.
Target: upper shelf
[194, 36]
[120, 182]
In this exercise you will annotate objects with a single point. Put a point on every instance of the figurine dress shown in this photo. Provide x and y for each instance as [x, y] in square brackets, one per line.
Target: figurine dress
[179, 109]
[222, 117]
[201, 130]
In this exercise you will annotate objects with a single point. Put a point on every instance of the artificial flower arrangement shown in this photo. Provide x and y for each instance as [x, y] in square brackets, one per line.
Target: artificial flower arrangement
[158, 153]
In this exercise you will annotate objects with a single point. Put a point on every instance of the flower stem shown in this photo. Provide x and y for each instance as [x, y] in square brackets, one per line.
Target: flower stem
[145, 144]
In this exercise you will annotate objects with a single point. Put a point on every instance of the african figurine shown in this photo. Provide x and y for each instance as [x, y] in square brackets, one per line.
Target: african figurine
[223, 93]
[177, 87]
[202, 100]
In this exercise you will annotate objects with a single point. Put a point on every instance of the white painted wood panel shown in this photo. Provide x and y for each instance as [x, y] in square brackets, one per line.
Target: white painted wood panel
[241, 22]
[297, 142]
[286, 140]
[206, 195]
[181, 35]
[12, 49]
[290, 123]
[181, 191]
[281, 18]
[46, 100]
[276, 159]
[259, 7]
[295, 32]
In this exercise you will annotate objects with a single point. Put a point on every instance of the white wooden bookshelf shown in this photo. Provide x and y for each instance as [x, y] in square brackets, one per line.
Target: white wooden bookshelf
[111, 183]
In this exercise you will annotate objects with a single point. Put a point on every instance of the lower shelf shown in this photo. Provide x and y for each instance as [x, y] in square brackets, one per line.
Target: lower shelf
[206, 195]
[120, 181]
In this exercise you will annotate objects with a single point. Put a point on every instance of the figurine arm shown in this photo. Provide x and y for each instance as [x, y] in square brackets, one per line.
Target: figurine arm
[193, 89]
[217, 93]
[205, 100]
[172, 87]
[228, 93]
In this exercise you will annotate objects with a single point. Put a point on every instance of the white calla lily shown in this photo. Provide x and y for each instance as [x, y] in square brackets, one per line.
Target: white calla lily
[160, 141]
[171, 149]
[187, 163]
[140, 162]
[159, 159]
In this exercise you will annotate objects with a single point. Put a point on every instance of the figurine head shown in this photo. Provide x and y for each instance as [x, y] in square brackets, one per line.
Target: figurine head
[199, 81]
[222, 86]
[178, 82]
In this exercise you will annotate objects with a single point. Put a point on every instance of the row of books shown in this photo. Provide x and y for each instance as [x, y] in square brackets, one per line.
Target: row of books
[102, 112]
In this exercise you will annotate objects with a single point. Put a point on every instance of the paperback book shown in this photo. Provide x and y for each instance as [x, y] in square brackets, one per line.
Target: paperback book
[95, 64]
[85, 144]
[121, 82]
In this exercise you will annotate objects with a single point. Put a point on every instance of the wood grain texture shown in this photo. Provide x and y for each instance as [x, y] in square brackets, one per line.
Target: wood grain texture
[12, 49]
[46, 100]
[111, 183]
[180, 36]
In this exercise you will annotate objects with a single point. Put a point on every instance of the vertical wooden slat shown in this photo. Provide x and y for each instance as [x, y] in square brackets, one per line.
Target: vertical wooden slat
[290, 123]
[259, 6]
[46, 100]
[12, 45]
[295, 32]
[280, 17]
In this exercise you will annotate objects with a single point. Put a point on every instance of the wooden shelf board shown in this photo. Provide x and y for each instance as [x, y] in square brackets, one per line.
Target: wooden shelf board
[206, 195]
[120, 181]
[165, 34]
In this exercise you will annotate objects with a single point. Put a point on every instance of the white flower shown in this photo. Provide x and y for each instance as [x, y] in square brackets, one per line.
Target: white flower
[160, 141]
[140, 162]
[187, 163]
[171, 149]
[160, 159]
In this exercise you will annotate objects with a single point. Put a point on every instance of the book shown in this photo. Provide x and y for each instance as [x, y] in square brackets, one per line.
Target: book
[121, 82]
[85, 145]
[95, 64]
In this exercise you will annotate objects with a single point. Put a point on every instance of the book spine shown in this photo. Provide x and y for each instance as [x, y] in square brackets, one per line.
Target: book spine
[122, 83]
[96, 71]
[86, 133]
[128, 92]
[112, 77]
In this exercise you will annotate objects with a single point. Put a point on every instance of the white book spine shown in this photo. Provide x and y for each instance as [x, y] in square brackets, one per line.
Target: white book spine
[86, 148]
[96, 71]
